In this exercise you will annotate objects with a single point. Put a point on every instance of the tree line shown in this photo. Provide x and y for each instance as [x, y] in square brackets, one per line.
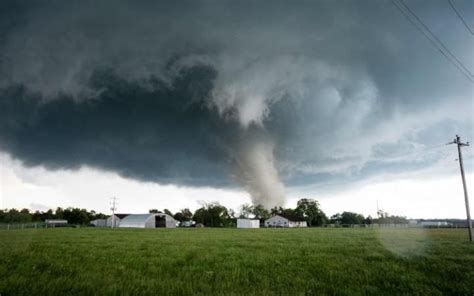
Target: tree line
[72, 215]
[213, 215]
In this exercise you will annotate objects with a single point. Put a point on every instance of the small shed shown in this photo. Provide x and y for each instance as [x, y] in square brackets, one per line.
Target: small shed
[248, 223]
[152, 220]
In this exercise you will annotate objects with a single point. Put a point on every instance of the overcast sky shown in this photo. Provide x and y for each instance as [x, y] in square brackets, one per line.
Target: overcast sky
[167, 105]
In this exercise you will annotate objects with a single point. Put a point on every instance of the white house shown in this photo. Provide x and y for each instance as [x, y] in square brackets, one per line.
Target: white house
[248, 223]
[153, 220]
[283, 221]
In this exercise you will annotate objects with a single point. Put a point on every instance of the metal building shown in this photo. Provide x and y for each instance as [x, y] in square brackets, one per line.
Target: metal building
[117, 219]
[55, 222]
[148, 221]
[248, 223]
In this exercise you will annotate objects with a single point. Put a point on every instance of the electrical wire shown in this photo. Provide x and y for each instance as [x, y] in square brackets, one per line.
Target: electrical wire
[436, 38]
[433, 40]
[460, 17]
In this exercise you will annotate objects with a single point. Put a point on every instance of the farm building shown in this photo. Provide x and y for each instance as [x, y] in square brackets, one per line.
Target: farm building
[148, 221]
[55, 222]
[117, 219]
[187, 223]
[284, 221]
[248, 223]
[99, 222]
[434, 223]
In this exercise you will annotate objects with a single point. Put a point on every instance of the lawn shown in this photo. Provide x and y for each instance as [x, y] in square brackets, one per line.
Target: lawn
[340, 261]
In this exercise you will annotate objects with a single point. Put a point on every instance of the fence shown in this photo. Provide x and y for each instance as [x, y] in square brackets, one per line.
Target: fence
[8, 226]
[460, 225]
[367, 225]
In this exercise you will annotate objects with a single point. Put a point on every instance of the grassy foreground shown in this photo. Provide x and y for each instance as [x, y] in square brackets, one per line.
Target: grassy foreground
[235, 261]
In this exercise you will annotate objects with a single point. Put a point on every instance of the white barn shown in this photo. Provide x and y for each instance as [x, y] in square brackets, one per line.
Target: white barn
[153, 220]
[282, 221]
[248, 223]
[117, 219]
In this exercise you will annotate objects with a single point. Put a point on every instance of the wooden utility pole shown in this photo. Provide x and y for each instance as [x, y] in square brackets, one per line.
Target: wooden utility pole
[458, 142]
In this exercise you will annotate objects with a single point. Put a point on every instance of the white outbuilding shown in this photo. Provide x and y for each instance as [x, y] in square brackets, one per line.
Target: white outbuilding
[284, 221]
[248, 223]
[152, 220]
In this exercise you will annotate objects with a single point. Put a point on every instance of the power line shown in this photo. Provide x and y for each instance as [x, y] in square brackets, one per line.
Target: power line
[436, 38]
[460, 17]
[433, 39]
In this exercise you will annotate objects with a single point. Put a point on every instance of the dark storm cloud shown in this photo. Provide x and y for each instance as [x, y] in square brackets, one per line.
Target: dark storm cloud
[163, 133]
[212, 93]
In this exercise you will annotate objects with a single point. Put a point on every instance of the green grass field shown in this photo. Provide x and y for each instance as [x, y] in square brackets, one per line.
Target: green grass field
[206, 261]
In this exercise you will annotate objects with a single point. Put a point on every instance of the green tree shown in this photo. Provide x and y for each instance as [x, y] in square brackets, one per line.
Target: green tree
[260, 213]
[368, 220]
[2, 215]
[184, 215]
[310, 211]
[336, 218]
[76, 216]
[37, 216]
[212, 215]
[276, 211]
[246, 210]
[59, 213]
[352, 218]
[188, 215]
[201, 216]
[13, 215]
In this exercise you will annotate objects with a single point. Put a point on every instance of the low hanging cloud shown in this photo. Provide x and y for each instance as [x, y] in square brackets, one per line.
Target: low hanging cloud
[223, 94]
